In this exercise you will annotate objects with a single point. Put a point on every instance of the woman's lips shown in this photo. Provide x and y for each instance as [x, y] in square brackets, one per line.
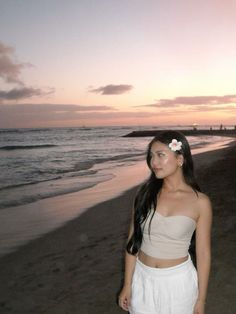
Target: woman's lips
[157, 169]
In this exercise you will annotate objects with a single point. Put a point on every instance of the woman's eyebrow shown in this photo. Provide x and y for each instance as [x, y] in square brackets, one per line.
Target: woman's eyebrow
[159, 151]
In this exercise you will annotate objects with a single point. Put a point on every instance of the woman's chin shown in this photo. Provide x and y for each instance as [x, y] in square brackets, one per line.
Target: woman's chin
[159, 175]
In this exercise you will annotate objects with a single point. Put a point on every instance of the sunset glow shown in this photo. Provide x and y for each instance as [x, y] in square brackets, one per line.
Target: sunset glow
[82, 63]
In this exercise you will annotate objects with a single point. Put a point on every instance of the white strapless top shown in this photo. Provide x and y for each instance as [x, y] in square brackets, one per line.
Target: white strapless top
[169, 237]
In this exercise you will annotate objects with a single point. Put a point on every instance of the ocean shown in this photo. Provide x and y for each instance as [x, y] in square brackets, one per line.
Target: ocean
[41, 163]
[50, 176]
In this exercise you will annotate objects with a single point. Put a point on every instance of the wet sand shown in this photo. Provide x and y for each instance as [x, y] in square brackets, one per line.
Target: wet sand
[78, 268]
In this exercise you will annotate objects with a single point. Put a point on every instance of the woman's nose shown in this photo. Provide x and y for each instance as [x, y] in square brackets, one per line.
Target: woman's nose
[154, 162]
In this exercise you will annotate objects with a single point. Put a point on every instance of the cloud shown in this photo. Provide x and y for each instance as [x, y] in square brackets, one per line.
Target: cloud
[112, 89]
[116, 115]
[230, 109]
[208, 108]
[22, 115]
[177, 109]
[52, 108]
[43, 115]
[194, 100]
[74, 112]
[23, 93]
[10, 69]
[5, 49]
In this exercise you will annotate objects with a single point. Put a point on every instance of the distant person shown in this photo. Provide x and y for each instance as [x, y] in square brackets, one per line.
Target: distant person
[168, 253]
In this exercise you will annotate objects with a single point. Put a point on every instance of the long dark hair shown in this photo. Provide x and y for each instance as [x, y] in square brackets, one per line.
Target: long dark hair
[146, 197]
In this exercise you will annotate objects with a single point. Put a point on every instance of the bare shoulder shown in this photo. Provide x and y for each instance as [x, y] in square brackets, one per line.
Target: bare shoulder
[203, 199]
[204, 205]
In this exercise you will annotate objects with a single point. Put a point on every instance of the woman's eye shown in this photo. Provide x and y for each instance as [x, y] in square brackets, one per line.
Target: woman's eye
[157, 155]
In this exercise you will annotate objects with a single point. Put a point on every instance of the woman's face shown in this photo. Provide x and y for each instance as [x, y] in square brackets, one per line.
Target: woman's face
[164, 162]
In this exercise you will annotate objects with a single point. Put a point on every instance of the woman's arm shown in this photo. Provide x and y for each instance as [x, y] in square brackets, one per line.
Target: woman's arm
[203, 247]
[130, 260]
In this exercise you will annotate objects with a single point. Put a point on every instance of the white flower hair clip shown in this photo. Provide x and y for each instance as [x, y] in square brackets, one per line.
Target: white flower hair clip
[175, 145]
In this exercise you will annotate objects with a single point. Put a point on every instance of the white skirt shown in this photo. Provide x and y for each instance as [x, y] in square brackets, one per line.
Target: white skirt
[171, 290]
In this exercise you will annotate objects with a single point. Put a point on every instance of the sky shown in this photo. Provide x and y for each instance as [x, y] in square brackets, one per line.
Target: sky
[73, 63]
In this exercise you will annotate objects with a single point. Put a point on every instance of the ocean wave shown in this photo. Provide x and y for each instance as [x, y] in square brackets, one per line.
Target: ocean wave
[16, 197]
[24, 130]
[55, 174]
[84, 165]
[13, 186]
[126, 156]
[15, 147]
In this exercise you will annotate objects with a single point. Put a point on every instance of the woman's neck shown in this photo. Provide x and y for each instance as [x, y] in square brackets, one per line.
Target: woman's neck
[173, 183]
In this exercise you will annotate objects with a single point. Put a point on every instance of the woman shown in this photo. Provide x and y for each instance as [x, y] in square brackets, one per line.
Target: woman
[170, 213]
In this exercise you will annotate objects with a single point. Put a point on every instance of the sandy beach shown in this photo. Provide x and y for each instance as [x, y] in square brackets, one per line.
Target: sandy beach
[78, 268]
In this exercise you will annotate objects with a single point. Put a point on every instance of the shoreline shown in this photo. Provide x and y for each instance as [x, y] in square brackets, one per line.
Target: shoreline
[23, 223]
[77, 268]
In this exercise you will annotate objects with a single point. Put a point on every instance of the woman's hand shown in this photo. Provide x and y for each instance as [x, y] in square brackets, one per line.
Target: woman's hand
[124, 297]
[199, 307]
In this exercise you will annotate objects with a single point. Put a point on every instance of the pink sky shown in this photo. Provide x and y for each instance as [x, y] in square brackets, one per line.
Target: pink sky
[76, 63]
